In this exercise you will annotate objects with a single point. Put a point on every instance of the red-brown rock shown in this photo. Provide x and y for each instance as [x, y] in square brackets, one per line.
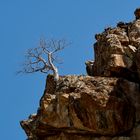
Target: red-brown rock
[84, 106]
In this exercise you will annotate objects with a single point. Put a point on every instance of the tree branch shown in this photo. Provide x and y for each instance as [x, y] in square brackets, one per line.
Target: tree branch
[41, 59]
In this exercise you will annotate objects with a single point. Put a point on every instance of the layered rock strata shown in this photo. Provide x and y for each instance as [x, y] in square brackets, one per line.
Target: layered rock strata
[102, 106]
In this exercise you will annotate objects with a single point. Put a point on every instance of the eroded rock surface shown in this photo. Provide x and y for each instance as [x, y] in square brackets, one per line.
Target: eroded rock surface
[116, 51]
[86, 107]
[102, 106]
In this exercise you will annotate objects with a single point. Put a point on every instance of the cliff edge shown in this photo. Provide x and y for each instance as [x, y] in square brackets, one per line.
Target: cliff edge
[105, 104]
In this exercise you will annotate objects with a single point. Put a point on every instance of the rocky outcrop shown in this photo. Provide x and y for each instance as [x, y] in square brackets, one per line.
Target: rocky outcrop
[115, 51]
[102, 106]
[86, 106]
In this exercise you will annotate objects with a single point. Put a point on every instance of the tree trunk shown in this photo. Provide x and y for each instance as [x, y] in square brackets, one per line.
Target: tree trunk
[54, 69]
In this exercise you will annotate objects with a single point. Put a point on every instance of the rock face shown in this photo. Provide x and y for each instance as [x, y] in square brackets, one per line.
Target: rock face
[138, 61]
[117, 51]
[102, 106]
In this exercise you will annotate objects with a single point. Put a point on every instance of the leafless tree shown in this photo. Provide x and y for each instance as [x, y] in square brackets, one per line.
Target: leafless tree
[42, 58]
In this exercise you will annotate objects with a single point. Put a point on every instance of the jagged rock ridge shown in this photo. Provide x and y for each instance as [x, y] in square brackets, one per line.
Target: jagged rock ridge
[102, 106]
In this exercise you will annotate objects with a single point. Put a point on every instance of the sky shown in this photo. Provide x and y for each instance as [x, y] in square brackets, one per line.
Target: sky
[23, 23]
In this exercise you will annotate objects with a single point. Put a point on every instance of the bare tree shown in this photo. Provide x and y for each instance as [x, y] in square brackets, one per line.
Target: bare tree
[42, 58]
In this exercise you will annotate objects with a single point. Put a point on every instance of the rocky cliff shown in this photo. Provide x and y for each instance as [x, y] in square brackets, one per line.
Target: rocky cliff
[102, 106]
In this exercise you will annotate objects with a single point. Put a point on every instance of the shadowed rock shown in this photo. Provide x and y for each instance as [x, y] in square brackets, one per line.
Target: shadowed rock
[137, 13]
